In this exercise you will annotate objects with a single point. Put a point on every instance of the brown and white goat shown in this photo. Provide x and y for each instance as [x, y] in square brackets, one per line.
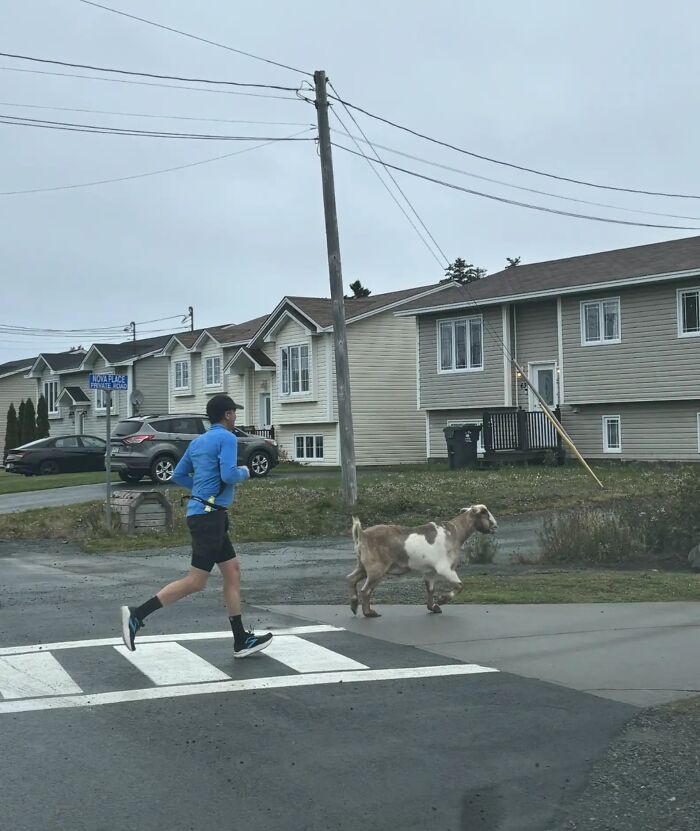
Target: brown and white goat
[434, 550]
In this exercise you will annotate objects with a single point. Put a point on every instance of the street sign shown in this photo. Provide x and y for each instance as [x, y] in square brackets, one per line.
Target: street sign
[104, 381]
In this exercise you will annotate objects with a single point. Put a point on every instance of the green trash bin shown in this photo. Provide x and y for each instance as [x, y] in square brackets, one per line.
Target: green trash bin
[462, 441]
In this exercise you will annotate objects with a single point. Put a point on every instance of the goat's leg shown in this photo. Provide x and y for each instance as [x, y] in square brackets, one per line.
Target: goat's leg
[430, 590]
[353, 579]
[451, 576]
[373, 578]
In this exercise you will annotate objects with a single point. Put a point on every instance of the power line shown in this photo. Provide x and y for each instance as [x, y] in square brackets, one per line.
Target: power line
[157, 115]
[25, 121]
[522, 187]
[144, 175]
[522, 204]
[149, 83]
[393, 179]
[146, 74]
[194, 37]
[511, 164]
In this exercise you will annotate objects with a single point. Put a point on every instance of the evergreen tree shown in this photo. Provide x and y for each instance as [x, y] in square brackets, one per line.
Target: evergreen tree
[42, 418]
[513, 262]
[20, 424]
[358, 290]
[11, 432]
[29, 423]
[463, 272]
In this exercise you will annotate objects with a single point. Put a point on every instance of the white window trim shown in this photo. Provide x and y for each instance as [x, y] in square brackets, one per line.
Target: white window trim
[468, 368]
[216, 384]
[186, 389]
[280, 386]
[103, 410]
[606, 448]
[57, 412]
[458, 422]
[305, 458]
[603, 341]
[679, 311]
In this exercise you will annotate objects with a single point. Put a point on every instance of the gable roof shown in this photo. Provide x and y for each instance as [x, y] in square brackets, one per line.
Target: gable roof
[77, 395]
[20, 365]
[640, 263]
[119, 353]
[61, 361]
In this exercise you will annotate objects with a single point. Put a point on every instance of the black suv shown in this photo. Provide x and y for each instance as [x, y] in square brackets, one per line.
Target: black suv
[152, 445]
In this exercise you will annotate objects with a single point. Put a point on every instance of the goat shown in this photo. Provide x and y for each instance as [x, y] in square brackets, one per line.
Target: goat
[432, 549]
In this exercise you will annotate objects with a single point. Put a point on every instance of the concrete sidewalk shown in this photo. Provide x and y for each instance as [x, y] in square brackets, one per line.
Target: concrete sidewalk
[638, 653]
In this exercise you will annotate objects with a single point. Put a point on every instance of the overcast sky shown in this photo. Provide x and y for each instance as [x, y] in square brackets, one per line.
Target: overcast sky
[598, 91]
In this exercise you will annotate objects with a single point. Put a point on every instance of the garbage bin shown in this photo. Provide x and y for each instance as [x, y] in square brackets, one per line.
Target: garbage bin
[462, 443]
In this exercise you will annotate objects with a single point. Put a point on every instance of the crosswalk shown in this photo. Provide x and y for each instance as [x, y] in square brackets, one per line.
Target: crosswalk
[91, 673]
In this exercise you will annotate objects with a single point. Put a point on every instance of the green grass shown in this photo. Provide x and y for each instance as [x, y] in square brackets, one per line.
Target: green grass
[308, 506]
[581, 587]
[16, 483]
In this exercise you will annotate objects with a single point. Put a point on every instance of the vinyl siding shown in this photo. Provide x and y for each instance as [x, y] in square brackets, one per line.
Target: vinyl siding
[151, 379]
[535, 339]
[649, 431]
[389, 428]
[285, 437]
[13, 390]
[462, 389]
[309, 408]
[437, 421]
[650, 364]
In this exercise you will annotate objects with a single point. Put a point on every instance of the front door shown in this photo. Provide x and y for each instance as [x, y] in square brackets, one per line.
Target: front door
[543, 377]
[265, 410]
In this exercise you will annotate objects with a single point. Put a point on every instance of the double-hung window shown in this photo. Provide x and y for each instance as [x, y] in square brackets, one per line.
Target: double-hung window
[600, 322]
[689, 313]
[461, 344]
[182, 375]
[295, 370]
[51, 396]
[612, 437]
[212, 369]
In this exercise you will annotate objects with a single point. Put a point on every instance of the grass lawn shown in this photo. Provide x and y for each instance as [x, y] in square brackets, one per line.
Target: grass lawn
[309, 506]
[15, 483]
[581, 587]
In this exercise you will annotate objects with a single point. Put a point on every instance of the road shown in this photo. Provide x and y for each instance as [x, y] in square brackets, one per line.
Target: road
[476, 719]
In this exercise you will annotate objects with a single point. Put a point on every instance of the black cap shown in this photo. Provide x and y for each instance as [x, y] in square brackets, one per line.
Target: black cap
[218, 405]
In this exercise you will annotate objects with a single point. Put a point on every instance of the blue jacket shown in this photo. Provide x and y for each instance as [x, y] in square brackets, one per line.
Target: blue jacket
[209, 469]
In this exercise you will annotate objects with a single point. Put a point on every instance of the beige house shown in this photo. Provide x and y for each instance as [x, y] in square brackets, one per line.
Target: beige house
[14, 388]
[612, 338]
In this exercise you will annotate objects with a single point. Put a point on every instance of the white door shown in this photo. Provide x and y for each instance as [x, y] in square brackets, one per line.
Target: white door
[543, 376]
[265, 410]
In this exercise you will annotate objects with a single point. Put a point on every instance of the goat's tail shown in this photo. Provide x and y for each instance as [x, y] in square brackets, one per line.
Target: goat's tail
[356, 534]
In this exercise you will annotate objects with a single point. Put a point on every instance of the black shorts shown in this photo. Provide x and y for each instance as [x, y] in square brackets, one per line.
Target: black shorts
[210, 540]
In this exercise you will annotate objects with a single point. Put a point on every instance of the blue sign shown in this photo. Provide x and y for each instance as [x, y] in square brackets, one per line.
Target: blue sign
[108, 382]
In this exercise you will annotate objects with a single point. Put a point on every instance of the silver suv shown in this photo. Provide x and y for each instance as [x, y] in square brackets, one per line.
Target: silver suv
[152, 445]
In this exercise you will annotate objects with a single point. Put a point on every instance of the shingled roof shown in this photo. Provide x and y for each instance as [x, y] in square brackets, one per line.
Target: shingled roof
[11, 367]
[555, 276]
[63, 361]
[116, 353]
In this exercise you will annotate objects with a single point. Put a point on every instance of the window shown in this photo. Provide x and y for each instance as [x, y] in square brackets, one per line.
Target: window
[213, 372]
[101, 398]
[51, 396]
[308, 447]
[612, 440]
[92, 441]
[600, 322]
[67, 441]
[296, 374]
[182, 375]
[688, 313]
[460, 345]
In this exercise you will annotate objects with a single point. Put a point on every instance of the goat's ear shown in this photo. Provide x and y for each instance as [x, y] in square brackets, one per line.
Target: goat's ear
[464, 510]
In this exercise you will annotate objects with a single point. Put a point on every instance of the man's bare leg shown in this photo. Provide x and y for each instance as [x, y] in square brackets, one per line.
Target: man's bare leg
[231, 572]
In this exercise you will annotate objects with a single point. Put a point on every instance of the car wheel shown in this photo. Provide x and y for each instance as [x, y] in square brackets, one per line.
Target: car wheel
[49, 468]
[162, 469]
[125, 476]
[259, 464]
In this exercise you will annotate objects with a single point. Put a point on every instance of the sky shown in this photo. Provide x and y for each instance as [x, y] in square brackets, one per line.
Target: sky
[596, 91]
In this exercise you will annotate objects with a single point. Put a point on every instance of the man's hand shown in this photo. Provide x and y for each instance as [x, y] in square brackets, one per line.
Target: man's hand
[247, 471]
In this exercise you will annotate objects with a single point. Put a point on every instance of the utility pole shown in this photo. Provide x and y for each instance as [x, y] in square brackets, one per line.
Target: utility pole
[190, 314]
[132, 326]
[335, 271]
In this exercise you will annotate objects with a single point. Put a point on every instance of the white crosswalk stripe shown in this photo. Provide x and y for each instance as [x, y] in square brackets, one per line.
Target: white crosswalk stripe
[170, 663]
[24, 676]
[304, 656]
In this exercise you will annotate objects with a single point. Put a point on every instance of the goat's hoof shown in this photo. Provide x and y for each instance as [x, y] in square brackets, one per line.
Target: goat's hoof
[372, 613]
[353, 606]
[436, 609]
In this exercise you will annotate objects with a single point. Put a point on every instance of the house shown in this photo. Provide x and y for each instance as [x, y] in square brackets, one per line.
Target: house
[14, 387]
[75, 408]
[285, 376]
[613, 338]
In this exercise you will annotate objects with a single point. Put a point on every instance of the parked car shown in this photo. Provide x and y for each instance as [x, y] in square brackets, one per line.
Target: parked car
[152, 445]
[63, 454]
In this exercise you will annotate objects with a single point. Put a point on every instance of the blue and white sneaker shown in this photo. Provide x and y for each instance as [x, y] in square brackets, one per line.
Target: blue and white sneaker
[130, 626]
[253, 643]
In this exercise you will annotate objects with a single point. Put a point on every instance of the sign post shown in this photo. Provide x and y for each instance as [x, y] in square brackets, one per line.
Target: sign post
[108, 383]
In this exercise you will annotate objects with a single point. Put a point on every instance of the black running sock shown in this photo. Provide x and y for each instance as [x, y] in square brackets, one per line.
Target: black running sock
[147, 608]
[239, 633]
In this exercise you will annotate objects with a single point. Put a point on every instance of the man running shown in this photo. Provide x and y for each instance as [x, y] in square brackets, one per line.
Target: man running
[209, 469]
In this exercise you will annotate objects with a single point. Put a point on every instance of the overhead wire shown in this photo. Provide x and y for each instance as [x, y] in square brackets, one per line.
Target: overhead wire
[511, 164]
[194, 37]
[146, 174]
[516, 203]
[445, 260]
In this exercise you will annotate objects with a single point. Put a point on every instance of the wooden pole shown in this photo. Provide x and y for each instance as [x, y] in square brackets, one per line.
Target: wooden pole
[335, 271]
